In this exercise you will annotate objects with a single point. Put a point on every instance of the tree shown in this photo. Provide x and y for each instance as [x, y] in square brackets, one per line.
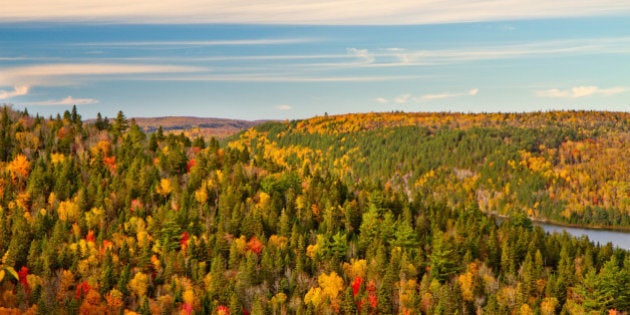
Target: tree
[443, 261]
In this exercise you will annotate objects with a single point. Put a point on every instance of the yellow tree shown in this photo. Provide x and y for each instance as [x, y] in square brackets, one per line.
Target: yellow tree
[329, 287]
[19, 168]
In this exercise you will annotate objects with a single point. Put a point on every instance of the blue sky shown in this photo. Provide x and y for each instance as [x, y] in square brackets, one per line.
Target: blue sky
[294, 59]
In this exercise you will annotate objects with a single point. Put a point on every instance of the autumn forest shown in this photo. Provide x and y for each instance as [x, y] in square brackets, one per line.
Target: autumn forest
[375, 213]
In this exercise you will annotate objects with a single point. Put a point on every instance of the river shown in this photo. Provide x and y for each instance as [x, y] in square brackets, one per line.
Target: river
[617, 238]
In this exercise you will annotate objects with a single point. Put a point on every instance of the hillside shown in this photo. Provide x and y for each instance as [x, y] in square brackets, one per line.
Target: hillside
[566, 167]
[219, 128]
[380, 213]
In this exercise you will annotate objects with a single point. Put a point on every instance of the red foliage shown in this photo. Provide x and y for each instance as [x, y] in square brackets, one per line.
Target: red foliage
[356, 286]
[22, 277]
[255, 245]
[90, 237]
[223, 310]
[184, 240]
[135, 205]
[106, 245]
[110, 162]
[190, 164]
[244, 311]
[82, 289]
[371, 289]
[187, 308]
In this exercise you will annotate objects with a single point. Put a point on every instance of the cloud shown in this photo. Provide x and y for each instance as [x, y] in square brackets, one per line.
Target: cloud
[405, 98]
[234, 42]
[48, 74]
[66, 101]
[402, 99]
[362, 54]
[581, 91]
[398, 57]
[18, 90]
[275, 78]
[284, 107]
[429, 97]
[303, 12]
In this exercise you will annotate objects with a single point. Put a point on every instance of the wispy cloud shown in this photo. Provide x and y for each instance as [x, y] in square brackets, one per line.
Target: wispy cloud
[276, 78]
[405, 98]
[429, 97]
[402, 99]
[362, 54]
[66, 101]
[284, 107]
[304, 11]
[47, 74]
[581, 91]
[233, 42]
[399, 57]
[18, 90]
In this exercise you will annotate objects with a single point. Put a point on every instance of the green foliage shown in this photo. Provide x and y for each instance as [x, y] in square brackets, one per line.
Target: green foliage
[382, 213]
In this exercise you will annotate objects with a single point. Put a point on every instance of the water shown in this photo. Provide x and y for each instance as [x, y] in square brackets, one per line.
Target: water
[618, 239]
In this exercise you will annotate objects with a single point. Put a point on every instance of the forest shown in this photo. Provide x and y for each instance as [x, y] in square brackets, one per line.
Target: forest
[375, 213]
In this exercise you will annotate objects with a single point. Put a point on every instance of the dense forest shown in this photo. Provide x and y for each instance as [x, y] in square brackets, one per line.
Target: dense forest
[380, 213]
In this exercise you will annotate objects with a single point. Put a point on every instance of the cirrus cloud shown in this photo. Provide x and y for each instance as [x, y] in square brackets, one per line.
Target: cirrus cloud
[66, 101]
[18, 90]
[331, 12]
[284, 107]
[581, 91]
[428, 97]
[50, 74]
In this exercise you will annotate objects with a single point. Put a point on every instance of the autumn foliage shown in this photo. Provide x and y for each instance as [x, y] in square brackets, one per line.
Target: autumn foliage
[376, 213]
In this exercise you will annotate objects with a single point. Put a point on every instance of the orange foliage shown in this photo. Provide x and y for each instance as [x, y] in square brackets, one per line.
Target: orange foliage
[255, 245]
[19, 167]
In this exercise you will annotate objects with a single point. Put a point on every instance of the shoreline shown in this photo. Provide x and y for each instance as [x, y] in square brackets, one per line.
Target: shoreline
[570, 225]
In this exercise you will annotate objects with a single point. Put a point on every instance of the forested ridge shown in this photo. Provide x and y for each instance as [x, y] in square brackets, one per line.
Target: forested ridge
[379, 213]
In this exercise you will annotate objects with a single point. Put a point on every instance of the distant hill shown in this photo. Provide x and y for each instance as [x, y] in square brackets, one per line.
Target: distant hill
[196, 126]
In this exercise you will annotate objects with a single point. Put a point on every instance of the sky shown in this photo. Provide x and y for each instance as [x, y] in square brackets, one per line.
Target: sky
[278, 59]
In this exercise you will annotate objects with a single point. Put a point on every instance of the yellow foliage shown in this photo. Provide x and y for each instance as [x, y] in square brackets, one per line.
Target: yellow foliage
[52, 198]
[311, 251]
[525, 310]
[278, 241]
[201, 194]
[188, 296]
[114, 299]
[68, 211]
[279, 298]
[329, 287]
[165, 187]
[241, 244]
[356, 268]
[263, 198]
[19, 167]
[143, 238]
[103, 146]
[507, 297]
[408, 290]
[331, 284]
[315, 297]
[57, 158]
[155, 261]
[548, 306]
[138, 284]
[94, 217]
[466, 283]
[207, 281]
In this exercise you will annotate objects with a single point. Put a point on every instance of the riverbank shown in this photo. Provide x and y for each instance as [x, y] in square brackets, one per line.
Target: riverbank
[621, 229]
